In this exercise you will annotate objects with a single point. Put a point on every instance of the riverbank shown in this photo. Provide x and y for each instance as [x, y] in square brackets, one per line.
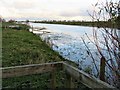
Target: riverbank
[21, 37]
[20, 47]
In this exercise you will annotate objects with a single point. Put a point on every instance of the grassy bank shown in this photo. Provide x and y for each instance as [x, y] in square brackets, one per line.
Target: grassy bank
[20, 47]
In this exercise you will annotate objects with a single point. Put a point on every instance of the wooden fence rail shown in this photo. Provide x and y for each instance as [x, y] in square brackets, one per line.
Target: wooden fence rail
[71, 72]
[30, 69]
[85, 78]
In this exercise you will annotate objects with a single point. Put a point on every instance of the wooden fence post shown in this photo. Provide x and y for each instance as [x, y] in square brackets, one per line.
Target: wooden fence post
[53, 80]
[69, 83]
[102, 69]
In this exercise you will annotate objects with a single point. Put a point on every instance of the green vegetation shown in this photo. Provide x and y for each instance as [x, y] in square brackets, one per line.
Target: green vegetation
[42, 81]
[21, 47]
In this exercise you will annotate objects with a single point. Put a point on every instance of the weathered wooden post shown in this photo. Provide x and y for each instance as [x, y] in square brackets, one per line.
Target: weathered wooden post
[69, 83]
[102, 68]
[68, 80]
[53, 80]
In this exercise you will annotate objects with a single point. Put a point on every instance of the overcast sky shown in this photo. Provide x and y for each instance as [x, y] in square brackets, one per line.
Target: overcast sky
[47, 9]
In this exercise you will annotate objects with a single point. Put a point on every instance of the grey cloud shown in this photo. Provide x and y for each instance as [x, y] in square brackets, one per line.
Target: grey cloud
[69, 14]
[23, 5]
[74, 13]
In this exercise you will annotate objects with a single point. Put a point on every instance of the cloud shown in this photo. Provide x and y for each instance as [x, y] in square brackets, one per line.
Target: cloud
[23, 5]
[69, 14]
[74, 13]
[49, 9]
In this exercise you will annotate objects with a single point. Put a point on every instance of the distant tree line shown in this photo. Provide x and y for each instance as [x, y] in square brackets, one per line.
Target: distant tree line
[98, 24]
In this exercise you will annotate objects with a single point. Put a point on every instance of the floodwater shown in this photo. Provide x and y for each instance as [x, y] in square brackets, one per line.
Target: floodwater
[75, 43]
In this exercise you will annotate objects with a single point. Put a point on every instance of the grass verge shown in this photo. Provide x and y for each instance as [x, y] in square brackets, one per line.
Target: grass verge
[20, 47]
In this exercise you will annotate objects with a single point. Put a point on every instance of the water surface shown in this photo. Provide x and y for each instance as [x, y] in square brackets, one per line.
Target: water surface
[75, 43]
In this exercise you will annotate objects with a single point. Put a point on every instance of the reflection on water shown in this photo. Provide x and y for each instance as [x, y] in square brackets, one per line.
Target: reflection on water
[66, 39]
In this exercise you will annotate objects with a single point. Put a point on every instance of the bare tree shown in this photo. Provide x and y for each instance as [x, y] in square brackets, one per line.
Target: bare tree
[110, 54]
